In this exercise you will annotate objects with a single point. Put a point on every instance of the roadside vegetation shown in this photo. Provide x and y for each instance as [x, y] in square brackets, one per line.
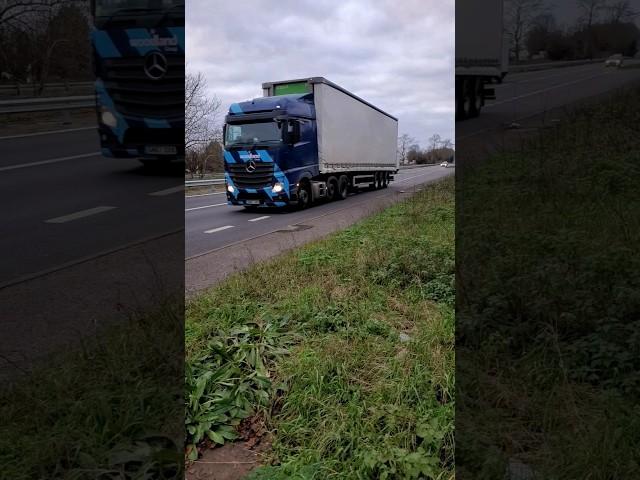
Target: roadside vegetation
[548, 333]
[339, 354]
[109, 408]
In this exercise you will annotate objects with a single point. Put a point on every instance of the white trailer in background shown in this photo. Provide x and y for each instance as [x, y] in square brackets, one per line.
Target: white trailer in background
[481, 54]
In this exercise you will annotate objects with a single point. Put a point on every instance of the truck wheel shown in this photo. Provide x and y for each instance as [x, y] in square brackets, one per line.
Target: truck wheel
[475, 88]
[385, 180]
[332, 188]
[304, 196]
[379, 183]
[343, 188]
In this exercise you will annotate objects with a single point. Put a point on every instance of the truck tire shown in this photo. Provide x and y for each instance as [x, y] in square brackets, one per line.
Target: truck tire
[475, 89]
[332, 188]
[385, 179]
[461, 91]
[343, 188]
[304, 195]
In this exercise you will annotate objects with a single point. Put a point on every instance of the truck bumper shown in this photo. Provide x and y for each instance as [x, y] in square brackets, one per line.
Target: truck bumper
[260, 198]
[144, 143]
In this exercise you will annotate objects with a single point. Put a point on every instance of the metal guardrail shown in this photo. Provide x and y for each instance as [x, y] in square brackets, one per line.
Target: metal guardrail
[204, 182]
[44, 104]
[13, 87]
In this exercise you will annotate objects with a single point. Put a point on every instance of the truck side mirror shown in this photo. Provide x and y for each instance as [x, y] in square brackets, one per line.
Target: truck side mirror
[224, 134]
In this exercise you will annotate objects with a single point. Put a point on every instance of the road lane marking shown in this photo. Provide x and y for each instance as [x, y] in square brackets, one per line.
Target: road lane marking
[219, 229]
[81, 214]
[544, 90]
[259, 218]
[415, 176]
[50, 132]
[168, 191]
[45, 162]
[203, 194]
[204, 206]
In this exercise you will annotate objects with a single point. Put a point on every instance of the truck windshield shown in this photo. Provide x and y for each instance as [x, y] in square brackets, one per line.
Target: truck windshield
[115, 8]
[252, 133]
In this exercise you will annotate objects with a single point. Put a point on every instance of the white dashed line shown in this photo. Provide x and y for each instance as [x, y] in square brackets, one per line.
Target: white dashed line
[259, 218]
[44, 162]
[80, 214]
[168, 191]
[204, 206]
[219, 229]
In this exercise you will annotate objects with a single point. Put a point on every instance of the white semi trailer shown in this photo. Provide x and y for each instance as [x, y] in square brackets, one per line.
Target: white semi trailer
[481, 54]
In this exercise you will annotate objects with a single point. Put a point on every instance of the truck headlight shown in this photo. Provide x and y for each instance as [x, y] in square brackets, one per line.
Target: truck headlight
[277, 187]
[109, 118]
[230, 188]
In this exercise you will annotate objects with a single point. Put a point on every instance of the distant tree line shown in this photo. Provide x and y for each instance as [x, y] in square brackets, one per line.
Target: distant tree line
[44, 41]
[438, 150]
[603, 27]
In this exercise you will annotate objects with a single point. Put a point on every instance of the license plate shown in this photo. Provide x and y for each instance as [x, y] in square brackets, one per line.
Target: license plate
[160, 149]
[253, 202]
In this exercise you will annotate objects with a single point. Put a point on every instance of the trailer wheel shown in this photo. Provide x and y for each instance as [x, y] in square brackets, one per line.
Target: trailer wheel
[385, 179]
[304, 195]
[332, 188]
[372, 186]
[475, 88]
[380, 183]
[343, 187]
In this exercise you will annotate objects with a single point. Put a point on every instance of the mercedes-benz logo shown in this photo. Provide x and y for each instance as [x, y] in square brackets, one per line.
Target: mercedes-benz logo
[155, 65]
[251, 166]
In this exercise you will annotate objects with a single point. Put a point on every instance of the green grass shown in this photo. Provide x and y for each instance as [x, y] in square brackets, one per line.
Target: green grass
[344, 348]
[109, 409]
[548, 354]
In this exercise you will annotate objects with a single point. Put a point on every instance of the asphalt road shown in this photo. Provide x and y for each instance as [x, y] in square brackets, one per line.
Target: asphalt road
[64, 202]
[211, 224]
[528, 94]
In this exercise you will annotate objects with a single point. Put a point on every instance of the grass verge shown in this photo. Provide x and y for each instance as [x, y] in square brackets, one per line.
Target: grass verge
[548, 350]
[110, 409]
[343, 347]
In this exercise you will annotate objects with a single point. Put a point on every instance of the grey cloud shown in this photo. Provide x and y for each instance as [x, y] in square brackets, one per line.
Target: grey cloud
[397, 55]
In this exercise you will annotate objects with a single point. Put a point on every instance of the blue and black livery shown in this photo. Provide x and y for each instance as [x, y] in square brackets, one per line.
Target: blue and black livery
[284, 163]
[139, 66]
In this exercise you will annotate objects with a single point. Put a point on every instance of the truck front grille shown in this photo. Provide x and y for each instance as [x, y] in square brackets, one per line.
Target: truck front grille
[261, 177]
[136, 95]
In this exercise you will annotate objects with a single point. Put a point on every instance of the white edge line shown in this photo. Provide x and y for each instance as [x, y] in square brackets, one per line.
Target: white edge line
[204, 206]
[50, 132]
[219, 229]
[259, 218]
[45, 162]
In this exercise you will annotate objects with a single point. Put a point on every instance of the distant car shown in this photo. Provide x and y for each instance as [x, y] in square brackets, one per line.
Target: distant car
[445, 164]
[616, 60]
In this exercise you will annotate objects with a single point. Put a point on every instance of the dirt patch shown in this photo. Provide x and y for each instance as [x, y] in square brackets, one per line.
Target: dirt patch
[233, 461]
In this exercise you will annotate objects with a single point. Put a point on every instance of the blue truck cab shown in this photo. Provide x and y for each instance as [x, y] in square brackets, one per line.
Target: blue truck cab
[270, 146]
[138, 58]
[280, 151]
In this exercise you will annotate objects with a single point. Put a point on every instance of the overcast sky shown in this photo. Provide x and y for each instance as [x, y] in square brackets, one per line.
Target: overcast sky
[397, 55]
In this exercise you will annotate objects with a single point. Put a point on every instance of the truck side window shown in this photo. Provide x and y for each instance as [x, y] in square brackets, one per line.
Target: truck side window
[293, 131]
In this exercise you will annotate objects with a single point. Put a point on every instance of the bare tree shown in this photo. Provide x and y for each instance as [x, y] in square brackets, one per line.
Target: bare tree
[590, 10]
[621, 11]
[434, 141]
[200, 112]
[519, 16]
[404, 144]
